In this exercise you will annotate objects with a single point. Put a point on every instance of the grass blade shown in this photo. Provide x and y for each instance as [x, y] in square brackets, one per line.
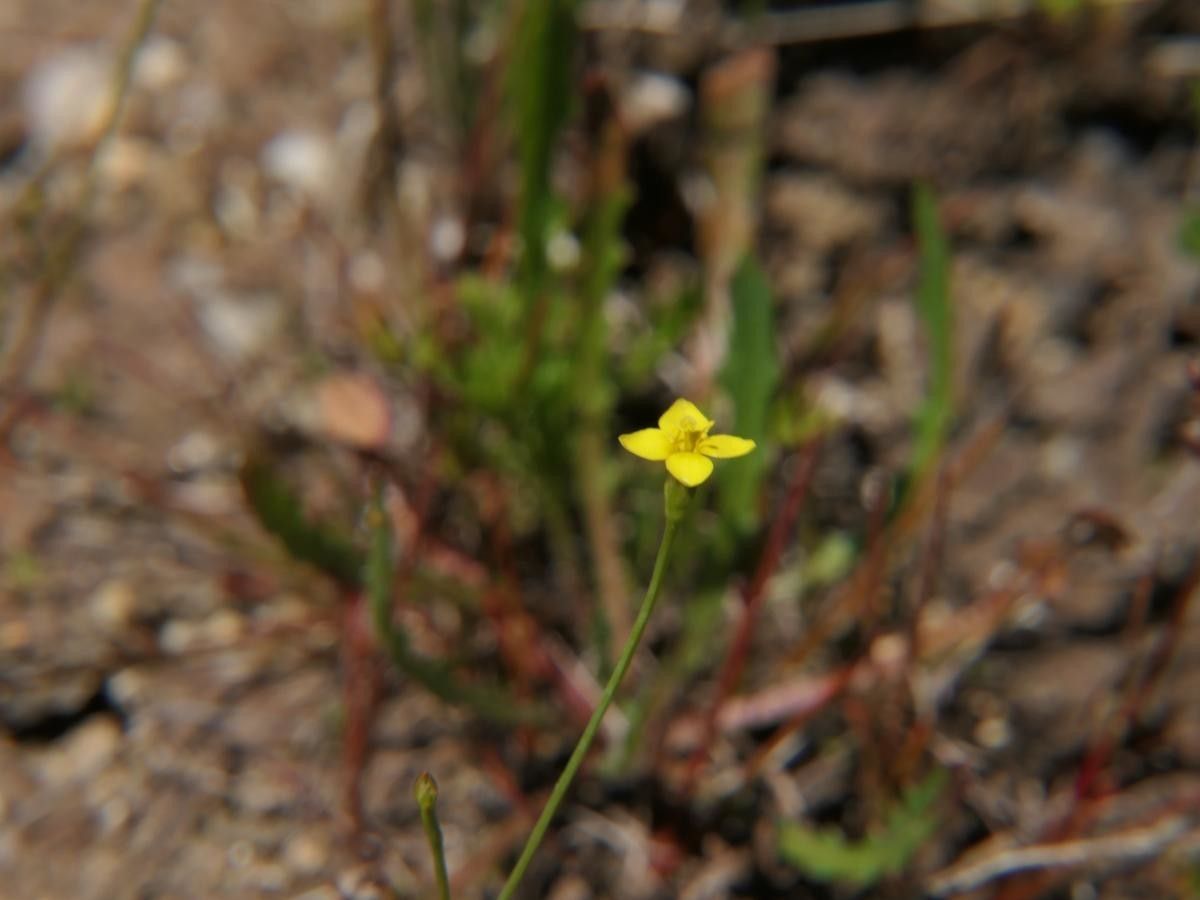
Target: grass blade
[934, 310]
[280, 512]
[751, 375]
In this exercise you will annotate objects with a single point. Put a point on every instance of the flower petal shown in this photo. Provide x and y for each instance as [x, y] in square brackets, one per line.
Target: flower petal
[649, 443]
[690, 468]
[681, 412]
[725, 446]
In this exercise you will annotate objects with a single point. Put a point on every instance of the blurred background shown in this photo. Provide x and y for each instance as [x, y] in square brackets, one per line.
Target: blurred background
[318, 323]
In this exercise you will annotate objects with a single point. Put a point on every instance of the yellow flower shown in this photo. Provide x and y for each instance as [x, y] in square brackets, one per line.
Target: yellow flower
[683, 442]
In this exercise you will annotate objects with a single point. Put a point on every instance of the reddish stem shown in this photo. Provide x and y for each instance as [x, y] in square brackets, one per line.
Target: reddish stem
[1095, 763]
[361, 687]
[931, 563]
[839, 681]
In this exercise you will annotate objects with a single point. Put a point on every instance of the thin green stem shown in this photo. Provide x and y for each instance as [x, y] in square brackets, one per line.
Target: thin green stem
[593, 725]
[426, 793]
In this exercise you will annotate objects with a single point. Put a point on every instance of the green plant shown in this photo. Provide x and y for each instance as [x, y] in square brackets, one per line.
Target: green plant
[1061, 9]
[826, 854]
[426, 792]
[681, 442]
[281, 513]
[492, 702]
[1189, 233]
[936, 315]
[750, 375]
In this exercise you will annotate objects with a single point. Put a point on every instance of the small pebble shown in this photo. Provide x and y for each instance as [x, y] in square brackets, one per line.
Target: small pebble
[358, 884]
[223, 628]
[113, 604]
[563, 251]
[240, 854]
[195, 451]
[179, 636]
[447, 237]
[114, 814]
[304, 161]
[128, 688]
[235, 209]
[651, 99]
[1175, 59]
[15, 634]
[267, 876]
[324, 892]
[306, 854]
[264, 791]
[367, 272]
[993, 733]
[83, 752]
[239, 327]
[125, 162]
[889, 652]
[67, 98]
[161, 63]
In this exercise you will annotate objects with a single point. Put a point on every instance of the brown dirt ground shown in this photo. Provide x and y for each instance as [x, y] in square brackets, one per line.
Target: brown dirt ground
[171, 693]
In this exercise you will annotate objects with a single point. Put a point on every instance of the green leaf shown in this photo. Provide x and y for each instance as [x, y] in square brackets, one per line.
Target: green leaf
[825, 854]
[540, 81]
[934, 310]
[1189, 233]
[751, 374]
[22, 571]
[830, 561]
[912, 822]
[280, 512]
[1059, 9]
[378, 575]
[604, 252]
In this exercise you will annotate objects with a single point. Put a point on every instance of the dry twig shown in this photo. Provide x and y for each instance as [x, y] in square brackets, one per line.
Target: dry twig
[1123, 848]
[60, 259]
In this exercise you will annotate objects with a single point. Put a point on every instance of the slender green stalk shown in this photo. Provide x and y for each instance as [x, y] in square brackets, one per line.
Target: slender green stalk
[674, 514]
[426, 791]
[609, 199]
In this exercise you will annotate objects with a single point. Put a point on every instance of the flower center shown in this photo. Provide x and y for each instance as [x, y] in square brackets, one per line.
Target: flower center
[688, 436]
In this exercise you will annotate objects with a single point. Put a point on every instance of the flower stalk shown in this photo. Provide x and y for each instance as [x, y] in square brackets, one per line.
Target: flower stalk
[426, 792]
[681, 441]
[676, 500]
